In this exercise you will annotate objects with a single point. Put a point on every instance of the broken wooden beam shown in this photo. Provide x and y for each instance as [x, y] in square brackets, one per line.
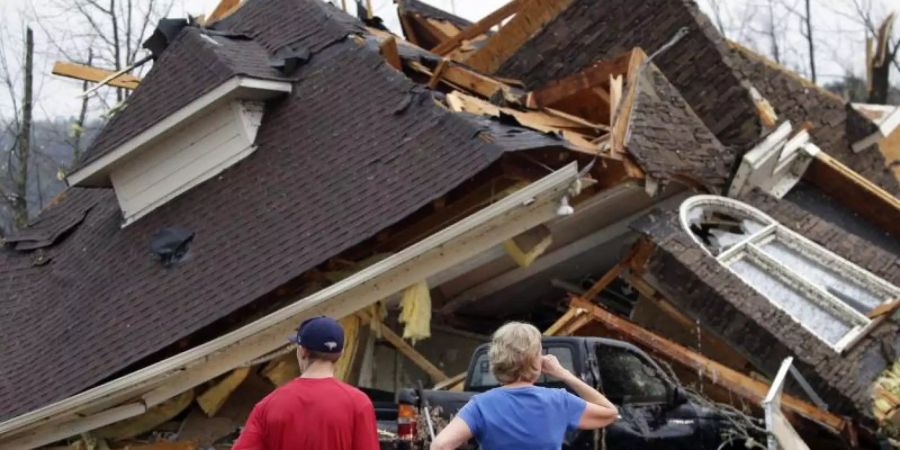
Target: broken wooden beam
[478, 28]
[732, 380]
[224, 9]
[94, 74]
[530, 19]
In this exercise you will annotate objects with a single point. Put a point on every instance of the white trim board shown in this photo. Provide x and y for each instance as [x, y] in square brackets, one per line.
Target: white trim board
[237, 88]
[887, 124]
[531, 206]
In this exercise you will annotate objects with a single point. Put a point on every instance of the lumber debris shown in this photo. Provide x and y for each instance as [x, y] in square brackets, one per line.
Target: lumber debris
[739, 384]
[224, 9]
[530, 18]
[94, 74]
[213, 398]
[437, 375]
[479, 28]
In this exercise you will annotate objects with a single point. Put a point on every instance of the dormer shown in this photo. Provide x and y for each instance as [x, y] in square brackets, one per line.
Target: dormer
[190, 146]
[194, 115]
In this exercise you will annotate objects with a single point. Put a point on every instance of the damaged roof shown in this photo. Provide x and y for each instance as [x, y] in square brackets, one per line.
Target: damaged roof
[355, 148]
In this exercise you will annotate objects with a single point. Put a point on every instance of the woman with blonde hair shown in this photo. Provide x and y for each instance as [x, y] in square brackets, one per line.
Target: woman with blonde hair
[519, 415]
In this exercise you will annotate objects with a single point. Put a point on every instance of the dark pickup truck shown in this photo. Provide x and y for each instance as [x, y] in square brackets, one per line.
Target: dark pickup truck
[655, 413]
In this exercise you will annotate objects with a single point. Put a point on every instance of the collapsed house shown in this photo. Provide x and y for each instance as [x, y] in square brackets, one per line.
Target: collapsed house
[289, 160]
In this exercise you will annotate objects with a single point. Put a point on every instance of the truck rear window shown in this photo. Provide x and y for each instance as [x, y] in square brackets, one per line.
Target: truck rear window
[482, 379]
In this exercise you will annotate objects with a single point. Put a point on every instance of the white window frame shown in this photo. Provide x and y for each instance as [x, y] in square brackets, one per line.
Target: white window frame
[750, 248]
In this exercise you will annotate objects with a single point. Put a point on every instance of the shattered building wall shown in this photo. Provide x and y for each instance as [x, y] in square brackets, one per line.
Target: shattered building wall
[764, 334]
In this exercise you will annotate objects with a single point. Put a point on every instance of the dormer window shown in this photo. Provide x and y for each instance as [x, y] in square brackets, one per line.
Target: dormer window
[828, 295]
[190, 146]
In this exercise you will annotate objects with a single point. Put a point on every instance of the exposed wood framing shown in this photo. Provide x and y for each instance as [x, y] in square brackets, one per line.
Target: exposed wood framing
[565, 319]
[468, 80]
[732, 380]
[389, 52]
[133, 394]
[855, 192]
[606, 279]
[507, 279]
[532, 16]
[437, 375]
[479, 28]
[595, 76]
[94, 74]
[436, 75]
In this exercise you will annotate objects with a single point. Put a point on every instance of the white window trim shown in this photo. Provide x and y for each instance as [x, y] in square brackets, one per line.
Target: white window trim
[749, 248]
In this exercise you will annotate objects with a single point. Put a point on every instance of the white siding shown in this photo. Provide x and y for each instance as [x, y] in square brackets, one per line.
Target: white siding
[185, 158]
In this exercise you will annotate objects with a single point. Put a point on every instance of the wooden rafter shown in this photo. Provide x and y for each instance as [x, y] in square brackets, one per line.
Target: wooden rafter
[389, 51]
[94, 74]
[595, 76]
[478, 28]
[738, 383]
[530, 18]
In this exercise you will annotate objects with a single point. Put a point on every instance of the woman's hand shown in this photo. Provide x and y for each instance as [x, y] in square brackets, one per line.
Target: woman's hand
[550, 366]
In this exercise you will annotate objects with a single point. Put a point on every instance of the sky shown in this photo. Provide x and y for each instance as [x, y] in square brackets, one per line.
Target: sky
[840, 39]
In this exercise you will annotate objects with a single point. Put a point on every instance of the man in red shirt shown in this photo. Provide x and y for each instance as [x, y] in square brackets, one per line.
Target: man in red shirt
[315, 411]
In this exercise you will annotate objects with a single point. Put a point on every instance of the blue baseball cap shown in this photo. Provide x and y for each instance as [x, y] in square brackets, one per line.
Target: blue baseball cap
[320, 334]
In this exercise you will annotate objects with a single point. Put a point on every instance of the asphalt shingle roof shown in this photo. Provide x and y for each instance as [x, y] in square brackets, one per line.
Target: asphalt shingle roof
[353, 149]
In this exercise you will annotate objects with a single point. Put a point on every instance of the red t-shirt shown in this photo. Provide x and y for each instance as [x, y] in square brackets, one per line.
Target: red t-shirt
[311, 414]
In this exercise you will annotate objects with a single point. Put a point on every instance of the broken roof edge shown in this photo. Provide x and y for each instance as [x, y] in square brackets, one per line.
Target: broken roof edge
[95, 172]
[886, 124]
[521, 210]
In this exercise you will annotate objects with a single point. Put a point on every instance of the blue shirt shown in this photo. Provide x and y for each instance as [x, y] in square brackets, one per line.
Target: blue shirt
[523, 418]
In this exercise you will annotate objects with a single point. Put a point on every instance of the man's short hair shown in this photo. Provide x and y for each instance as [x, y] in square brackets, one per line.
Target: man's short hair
[514, 353]
[323, 356]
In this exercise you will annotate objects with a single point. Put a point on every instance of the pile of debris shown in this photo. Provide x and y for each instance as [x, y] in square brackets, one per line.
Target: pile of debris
[613, 169]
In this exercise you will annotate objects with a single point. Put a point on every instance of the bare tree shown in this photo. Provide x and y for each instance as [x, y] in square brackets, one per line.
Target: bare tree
[14, 192]
[807, 32]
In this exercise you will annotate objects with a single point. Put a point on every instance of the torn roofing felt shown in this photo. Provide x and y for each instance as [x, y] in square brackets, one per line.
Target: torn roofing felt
[835, 125]
[195, 63]
[345, 156]
[697, 65]
[669, 141]
[762, 332]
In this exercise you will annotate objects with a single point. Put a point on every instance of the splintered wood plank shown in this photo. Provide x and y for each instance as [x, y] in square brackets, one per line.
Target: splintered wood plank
[736, 382]
[528, 21]
[94, 74]
[478, 28]
[623, 112]
[389, 52]
[884, 309]
[615, 96]
[464, 79]
[560, 323]
[443, 28]
[855, 192]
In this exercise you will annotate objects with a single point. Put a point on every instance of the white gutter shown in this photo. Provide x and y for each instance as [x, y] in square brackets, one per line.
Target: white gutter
[132, 394]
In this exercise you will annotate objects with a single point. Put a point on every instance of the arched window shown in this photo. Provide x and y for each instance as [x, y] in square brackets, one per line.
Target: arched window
[830, 296]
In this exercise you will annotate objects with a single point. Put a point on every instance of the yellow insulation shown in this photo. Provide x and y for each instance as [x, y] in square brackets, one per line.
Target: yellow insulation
[416, 312]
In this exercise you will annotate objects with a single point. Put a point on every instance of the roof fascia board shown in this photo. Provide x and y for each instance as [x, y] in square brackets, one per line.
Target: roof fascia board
[886, 126]
[234, 88]
[531, 206]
